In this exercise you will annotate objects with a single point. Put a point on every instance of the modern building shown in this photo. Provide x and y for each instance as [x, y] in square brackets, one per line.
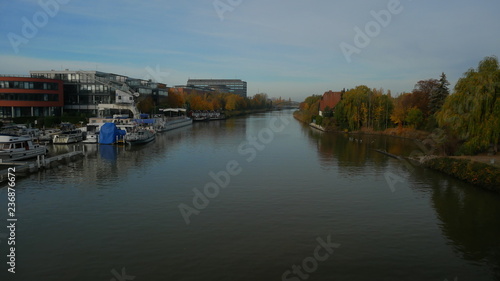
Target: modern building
[84, 90]
[329, 101]
[235, 86]
[22, 96]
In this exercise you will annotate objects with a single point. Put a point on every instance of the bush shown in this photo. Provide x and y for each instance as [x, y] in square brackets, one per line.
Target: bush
[473, 146]
[474, 172]
[319, 120]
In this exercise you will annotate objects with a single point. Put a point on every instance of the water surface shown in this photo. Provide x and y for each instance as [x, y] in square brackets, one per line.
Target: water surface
[117, 211]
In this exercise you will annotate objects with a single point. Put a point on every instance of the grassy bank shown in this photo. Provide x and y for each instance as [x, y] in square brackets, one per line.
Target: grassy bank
[481, 174]
[328, 126]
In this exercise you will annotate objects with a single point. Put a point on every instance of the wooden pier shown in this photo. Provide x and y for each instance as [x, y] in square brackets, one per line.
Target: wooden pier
[26, 168]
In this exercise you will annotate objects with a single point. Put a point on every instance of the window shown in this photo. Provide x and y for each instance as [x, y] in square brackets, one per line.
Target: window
[29, 97]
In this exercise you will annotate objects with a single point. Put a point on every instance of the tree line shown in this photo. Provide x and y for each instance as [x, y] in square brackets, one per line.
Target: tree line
[196, 100]
[469, 117]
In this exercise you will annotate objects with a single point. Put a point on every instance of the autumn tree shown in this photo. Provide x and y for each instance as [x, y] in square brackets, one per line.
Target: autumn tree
[382, 107]
[259, 100]
[174, 99]
[402, 105]
[146, 104]
[309, 108]
[421, 94]
[473, 112]
[352, 111]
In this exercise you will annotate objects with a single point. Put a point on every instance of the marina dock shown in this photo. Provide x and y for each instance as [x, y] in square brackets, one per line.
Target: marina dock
[24, 168]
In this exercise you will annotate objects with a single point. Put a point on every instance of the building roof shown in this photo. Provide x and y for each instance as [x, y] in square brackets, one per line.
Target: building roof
[330, 99]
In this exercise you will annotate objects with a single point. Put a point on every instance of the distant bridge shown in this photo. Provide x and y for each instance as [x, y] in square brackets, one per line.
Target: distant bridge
[286, 105]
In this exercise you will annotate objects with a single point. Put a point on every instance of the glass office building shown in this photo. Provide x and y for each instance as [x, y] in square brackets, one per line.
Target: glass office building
[84, 90]
[235, 86]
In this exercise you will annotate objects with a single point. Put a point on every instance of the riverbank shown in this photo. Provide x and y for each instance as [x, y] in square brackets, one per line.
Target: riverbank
[480, 170]
[471, 170]
[407, 133]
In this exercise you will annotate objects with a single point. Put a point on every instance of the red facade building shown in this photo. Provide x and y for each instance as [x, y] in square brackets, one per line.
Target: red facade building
[330, 99]
[27, 96]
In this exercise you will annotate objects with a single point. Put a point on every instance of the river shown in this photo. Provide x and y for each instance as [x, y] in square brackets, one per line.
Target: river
[261, 197]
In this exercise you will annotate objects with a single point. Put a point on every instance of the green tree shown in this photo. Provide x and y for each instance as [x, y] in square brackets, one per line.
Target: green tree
[439, 95]
[354, 107]
[328, 112]
[381, 110]
[415, 117]
[472, 113]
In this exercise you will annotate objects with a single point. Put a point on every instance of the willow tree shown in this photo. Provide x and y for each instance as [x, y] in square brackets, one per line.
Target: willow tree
[472, 113]
[354, 108]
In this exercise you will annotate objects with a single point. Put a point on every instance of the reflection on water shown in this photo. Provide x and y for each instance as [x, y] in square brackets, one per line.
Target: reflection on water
[468, 215]
[470, 221]
[108, 152]
[118, 208]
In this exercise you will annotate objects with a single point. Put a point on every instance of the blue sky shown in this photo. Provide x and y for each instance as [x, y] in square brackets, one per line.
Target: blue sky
[283, 48]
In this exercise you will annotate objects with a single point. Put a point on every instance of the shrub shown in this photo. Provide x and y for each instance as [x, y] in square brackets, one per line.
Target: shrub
[474, 172]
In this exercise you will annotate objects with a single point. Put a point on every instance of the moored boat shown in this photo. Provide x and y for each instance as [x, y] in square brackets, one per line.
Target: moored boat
[140, 136]
[205, 115]
[167, 124]
[48, 135]
[19, 147]
[68, 137]
[92, 133]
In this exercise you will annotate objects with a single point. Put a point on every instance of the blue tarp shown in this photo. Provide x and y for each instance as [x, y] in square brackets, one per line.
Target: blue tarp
[109, 132]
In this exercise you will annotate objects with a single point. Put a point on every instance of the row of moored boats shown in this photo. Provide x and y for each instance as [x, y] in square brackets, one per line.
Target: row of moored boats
[18, 143]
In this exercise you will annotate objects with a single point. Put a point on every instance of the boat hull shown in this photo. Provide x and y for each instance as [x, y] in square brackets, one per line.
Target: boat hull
[171, 125]
[91, 138]
[139, 137]
[68, 137]
[20, 155]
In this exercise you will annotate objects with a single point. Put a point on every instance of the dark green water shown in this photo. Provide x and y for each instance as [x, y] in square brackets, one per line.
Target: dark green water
[294, 204]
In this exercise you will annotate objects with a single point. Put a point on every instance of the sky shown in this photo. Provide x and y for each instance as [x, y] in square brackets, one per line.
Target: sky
[290, 49]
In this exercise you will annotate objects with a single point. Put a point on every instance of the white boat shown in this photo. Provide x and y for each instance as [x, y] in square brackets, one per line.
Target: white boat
[68, 137]
[140, 136]
[167, 124]
[92, 133]
[48, 135]
[21, 130]
[122, 122]
[19, 147]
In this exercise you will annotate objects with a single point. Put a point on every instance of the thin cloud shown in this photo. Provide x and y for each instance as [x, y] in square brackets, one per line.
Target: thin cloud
[279, 44]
